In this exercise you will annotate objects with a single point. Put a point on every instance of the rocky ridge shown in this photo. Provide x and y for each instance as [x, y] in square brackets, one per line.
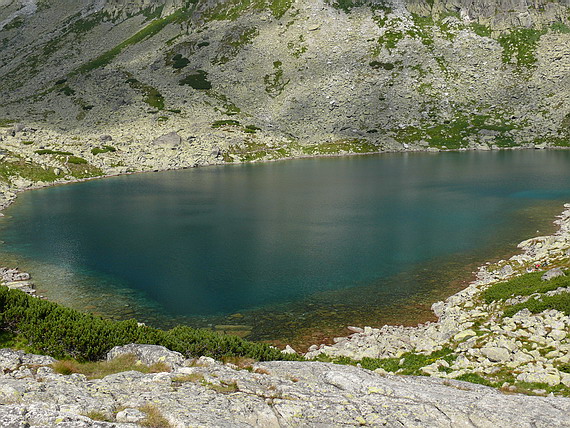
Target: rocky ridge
[204, 392]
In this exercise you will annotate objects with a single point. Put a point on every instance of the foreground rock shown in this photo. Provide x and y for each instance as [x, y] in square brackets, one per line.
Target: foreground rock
[204, 392]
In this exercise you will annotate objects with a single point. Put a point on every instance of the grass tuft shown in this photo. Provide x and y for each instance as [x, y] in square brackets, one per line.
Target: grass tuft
[100, 369]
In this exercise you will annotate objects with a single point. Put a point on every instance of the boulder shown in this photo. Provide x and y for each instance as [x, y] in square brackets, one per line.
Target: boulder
[130, 415]
[464, 335]
[551, 379]
[496, 353]
[552, 273]
[170, 140]
[148, 354]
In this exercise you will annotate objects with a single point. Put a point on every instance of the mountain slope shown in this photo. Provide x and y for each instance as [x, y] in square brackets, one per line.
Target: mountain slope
[266, 79]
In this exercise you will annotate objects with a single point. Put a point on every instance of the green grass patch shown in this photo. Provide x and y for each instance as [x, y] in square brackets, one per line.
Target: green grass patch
[481, 30]
[475, 378]
[153, 28]
[196, 80]
[15, 23]
[76, 160]
[151, 95]
[560, 27]
[454, 133]
[5, 123]
[50, 328]
[390, 39]
[154, 418]
[104, 149]
[251, 129]
[408, 364]
[560, 302]
[226, 106]
[384, 65]
[53, 152]
[523, 285]
[223, 123]
[519, 46]
[67, 91]
[15, 166]
[274, 82]
[178, 61]
[233, 42]
[347, 5]
[27, 142]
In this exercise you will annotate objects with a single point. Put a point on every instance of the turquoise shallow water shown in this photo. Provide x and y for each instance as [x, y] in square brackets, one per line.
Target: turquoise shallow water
[271, 247]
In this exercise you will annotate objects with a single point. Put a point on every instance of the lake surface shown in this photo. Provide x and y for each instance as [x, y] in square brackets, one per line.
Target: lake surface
[270, 250]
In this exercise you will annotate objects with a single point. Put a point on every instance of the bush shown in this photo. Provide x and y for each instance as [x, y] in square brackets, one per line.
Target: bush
[50, 328]
[524, 285]
[560, 302]
[104, 149]
[52, 152]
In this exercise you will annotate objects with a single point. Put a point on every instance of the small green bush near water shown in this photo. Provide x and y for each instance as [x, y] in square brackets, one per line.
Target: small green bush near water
[50, 328]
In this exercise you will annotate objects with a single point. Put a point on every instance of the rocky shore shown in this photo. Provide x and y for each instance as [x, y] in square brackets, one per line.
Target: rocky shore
[529, 347]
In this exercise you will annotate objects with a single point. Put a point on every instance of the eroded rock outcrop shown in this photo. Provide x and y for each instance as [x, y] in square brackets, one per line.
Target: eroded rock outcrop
[207, 393]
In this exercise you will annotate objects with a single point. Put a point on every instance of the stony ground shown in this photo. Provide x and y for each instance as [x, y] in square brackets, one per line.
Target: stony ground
[207, 393]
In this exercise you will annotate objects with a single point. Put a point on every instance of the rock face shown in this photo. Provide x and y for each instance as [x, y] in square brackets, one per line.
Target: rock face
[273, 394]
[148, 354]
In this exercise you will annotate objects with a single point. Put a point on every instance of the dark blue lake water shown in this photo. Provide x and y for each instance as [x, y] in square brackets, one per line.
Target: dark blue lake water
[272, 248]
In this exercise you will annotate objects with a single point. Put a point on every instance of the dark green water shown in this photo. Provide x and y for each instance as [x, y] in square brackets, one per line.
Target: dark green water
[278, 247]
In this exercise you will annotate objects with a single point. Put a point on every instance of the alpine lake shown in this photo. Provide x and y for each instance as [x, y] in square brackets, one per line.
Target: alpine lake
[287, 252]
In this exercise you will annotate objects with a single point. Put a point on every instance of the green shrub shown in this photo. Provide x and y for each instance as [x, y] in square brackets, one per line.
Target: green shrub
[227, 122]
[523, 285]
[196, 80]
[560, 302]
[76, 160]
[52, 152]
[474, 378]
[104, 149]
[52, 329]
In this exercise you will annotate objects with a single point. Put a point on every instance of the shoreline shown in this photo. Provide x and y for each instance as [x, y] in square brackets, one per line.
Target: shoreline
[393, 339]
[533, 346]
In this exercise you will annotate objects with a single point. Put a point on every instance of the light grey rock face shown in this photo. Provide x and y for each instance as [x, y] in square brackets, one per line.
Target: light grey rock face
[148, 354]
[170, 140]
[275, 394]
[552, 273]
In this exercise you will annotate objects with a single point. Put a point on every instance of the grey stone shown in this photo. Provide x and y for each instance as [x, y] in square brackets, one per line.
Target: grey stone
[148, 354]
[552, 273]
[170, 140]
[130, 415]
[496, 353]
